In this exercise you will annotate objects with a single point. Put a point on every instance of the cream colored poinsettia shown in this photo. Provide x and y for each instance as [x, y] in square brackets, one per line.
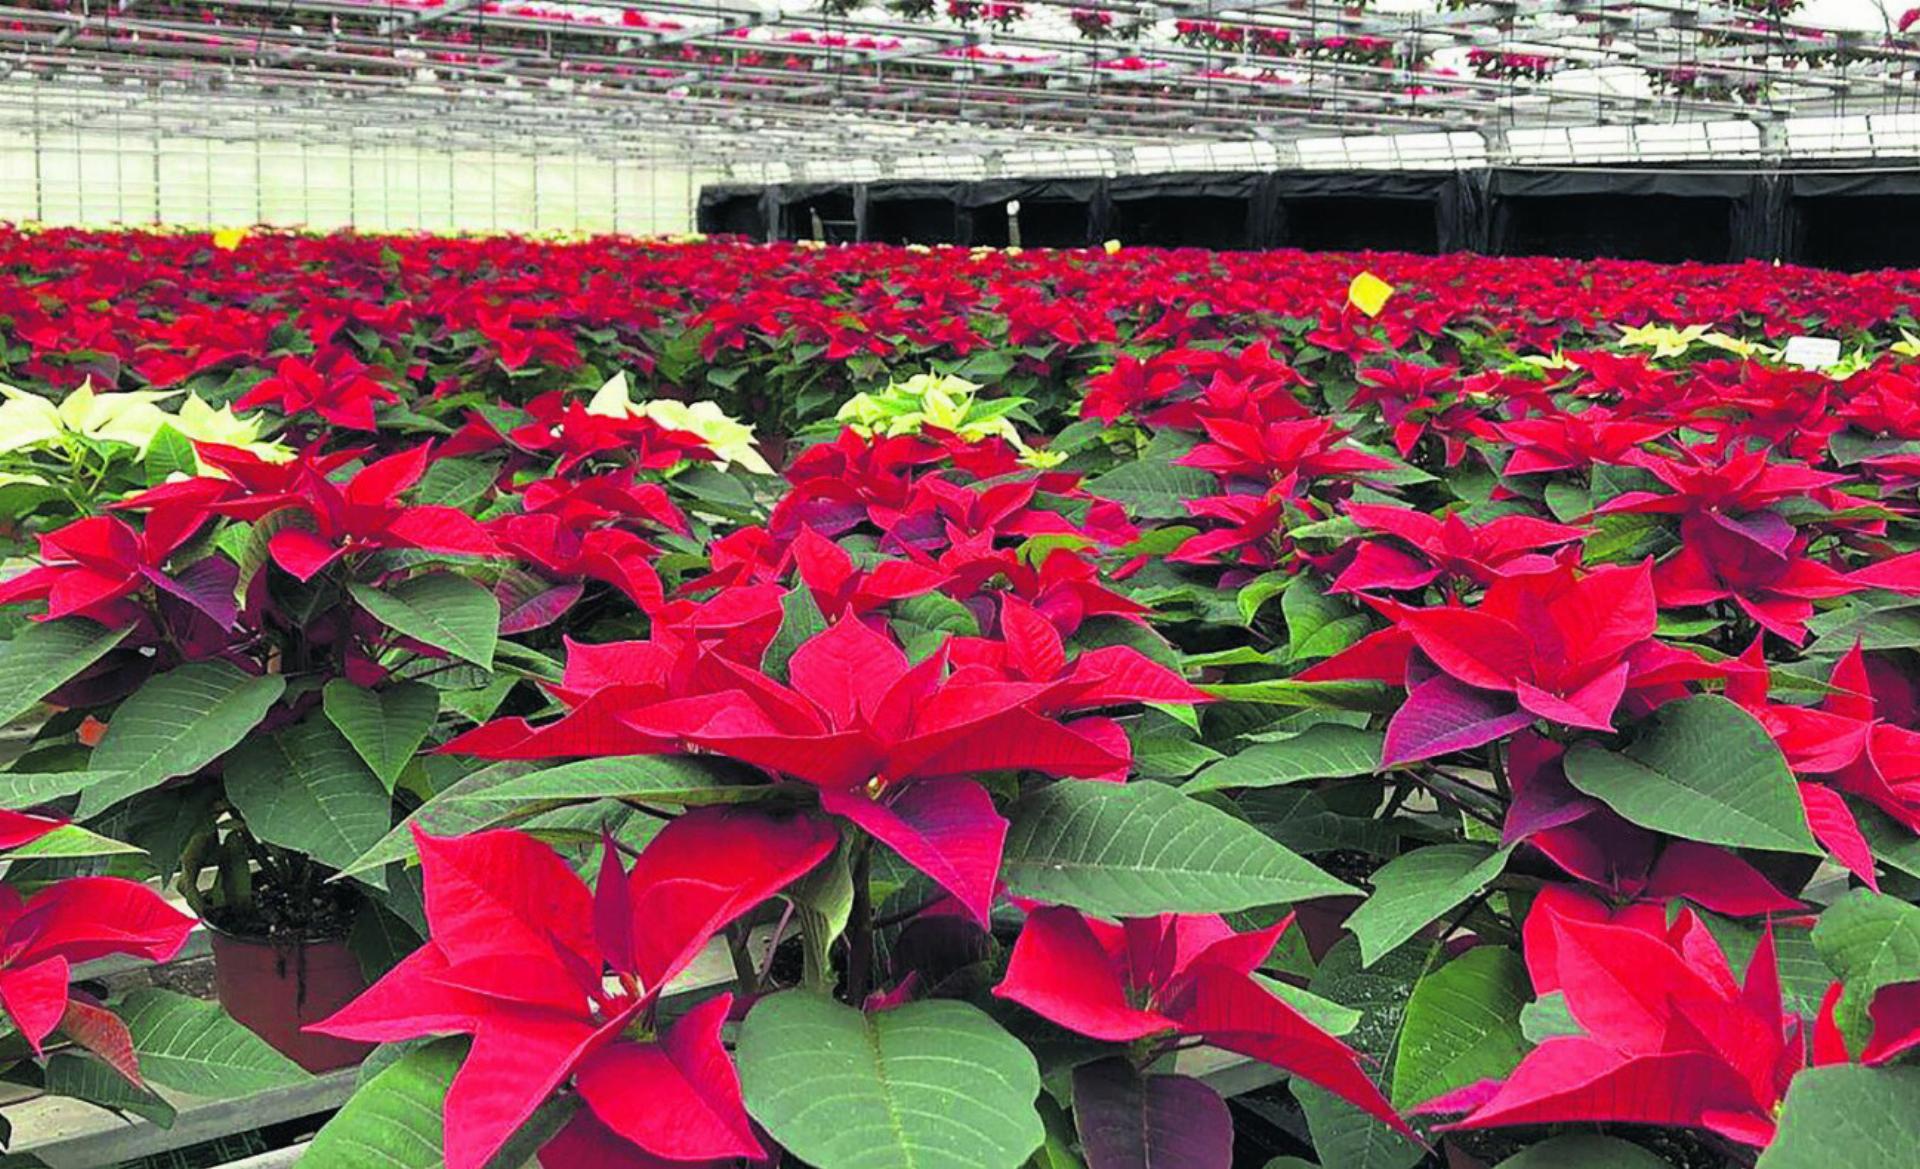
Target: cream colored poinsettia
[134, 418]
[202, 423]
[28, 420]
[1664, 340]
[1556, 361]
[1041, 460]
[1739, 347]
[944, 402]
[730, 441]
[1849, 364]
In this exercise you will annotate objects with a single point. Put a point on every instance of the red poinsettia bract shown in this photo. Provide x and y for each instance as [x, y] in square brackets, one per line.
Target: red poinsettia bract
[1177, 975]
[1562, 646]
[1843, 746]
[519, 955]
[76, 920]
[1447, 548]
[94, 566]
[332, 520]
[337, 386]
[892, 746]
[1670, 1037]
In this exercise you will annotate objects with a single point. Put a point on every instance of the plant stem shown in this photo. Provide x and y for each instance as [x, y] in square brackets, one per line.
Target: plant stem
[860, 925]
[773, 946]
[1455, 793]
[192, 859]
[1400, 793]
[908, 914]
[743, 972]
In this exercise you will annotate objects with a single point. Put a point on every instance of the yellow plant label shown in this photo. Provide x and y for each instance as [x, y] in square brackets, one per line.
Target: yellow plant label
[1369, 293]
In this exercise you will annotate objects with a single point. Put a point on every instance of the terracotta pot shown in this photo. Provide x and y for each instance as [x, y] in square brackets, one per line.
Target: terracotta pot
[276, 989]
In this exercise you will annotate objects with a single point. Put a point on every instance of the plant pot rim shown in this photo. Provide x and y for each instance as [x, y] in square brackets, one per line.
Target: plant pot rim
[219, 931]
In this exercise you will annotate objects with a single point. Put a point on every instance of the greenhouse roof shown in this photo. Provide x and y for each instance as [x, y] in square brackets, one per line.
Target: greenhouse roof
[871, 88]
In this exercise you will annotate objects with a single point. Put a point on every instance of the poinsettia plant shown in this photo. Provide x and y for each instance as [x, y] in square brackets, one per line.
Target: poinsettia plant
[70, 912]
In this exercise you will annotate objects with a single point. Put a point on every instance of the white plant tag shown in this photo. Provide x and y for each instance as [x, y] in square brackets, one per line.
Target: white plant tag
[1813, 352]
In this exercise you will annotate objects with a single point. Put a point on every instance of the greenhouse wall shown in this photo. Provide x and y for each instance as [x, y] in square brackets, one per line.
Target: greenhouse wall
[107, 179]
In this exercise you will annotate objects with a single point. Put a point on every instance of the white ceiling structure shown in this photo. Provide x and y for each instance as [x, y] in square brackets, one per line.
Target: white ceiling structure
[788, 89]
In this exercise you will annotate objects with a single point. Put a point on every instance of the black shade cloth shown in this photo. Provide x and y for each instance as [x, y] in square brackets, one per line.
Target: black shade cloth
[841, 208]
[1054, 213]
[1345, 223]
[1644, 215]
[1856, 220]
[1853, 222]
[912, 213]
[913, 221]
[729, 210]
[1217, 211]
[1619, 227]
[1427, 212]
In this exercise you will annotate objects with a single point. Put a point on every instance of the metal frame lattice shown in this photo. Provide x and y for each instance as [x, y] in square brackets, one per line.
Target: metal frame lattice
[879, 88]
